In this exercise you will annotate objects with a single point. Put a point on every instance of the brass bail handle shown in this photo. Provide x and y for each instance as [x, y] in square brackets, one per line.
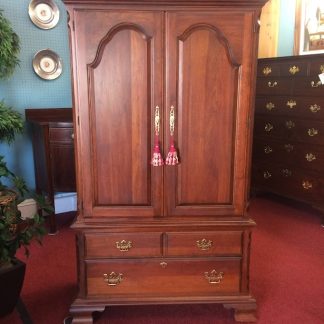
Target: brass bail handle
[157, 120]
[172, 120]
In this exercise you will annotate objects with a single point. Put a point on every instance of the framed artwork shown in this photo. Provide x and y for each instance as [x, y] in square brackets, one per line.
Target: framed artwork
[309, 27]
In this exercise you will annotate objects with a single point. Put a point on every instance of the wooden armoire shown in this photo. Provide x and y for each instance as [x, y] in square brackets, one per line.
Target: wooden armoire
[170, 233]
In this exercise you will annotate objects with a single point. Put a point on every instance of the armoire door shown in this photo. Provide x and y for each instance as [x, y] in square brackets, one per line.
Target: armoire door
[205, 56]
[118, 54]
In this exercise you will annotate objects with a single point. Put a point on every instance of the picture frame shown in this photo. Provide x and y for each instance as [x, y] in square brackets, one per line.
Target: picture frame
[309, 27]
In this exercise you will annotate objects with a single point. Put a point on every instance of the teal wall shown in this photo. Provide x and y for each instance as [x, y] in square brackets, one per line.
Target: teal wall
[25, 89]
[286, 28]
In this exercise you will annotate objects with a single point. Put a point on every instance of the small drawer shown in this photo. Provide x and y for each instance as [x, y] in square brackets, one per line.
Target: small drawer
[103, 245]
[61, 134]
[274, 86]
[317, 66]
[163, 277]
[204, 243]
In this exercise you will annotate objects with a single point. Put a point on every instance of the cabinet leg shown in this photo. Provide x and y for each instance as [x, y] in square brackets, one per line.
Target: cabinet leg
[243, 312]
[83, 314]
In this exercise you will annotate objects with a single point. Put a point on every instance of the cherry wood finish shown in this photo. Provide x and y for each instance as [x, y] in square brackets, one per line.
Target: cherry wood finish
[53, 147]
[169, 234]
[288, 153]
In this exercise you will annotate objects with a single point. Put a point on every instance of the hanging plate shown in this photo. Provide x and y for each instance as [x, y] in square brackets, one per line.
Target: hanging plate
[47, 64]
[44, 13]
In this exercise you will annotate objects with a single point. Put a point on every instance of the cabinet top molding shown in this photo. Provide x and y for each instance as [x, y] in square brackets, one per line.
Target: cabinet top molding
[172, 3]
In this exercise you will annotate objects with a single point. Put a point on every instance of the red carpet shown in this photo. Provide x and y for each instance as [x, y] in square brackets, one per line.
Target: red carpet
[287, 270]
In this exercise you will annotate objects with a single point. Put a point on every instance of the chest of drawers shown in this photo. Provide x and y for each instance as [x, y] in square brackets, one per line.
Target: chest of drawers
[288, 148]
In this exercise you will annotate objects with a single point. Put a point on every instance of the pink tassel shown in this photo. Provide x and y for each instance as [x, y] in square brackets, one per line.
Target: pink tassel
[157, 159]
[172, 158]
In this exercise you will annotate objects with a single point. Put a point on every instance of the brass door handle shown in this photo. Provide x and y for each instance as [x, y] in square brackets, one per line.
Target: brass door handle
[307, 184]
[312, 132]
[270, 106]
[293, 70]
[267, 149]
[291, 103]
[272, 84]
[113, 279]
[315, 84]
[214, 277]
[267, 70]
[315, 108]
[268, 127]
[267, 174]
[204, 244]
[124, 246]
[290, 124]
[310, 157]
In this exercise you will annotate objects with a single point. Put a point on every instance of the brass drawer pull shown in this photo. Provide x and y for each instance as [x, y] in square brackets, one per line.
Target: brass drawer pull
[286, 172]
[204, 244]
[163, 264]
[267, 70]
[214, 277]
[290, 124]
[310, 157]
[293, 70]
[272, 84]
[124, 246]
[289, 147]
[312, 132]
[266, 175]
[316, 84]
[314, 108]
[291, 103]
[268, 127]
[267, 149]
[113, 279]
[270, 106]
[307, 184]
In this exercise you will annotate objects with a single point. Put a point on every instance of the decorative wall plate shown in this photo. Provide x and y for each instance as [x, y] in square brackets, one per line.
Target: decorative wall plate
[44, 13]
[47, 64]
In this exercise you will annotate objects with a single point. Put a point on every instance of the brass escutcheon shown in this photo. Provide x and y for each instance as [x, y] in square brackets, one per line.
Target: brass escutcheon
[290, 124]
[310, 157]
[204, 244]
[214, 277]
[267, 70]
[267, 149]
[307, 184]
[291, 103]
[294, 69]
[314, 108]
[270, 106]
[113, 279]
[312, 132]
[124, 246]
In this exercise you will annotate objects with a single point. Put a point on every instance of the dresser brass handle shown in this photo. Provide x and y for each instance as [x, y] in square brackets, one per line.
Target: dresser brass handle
[204, 244]
[293, 70]
[268, 127]
[316, 84]
[267, 149]
[291, 103]
[272, 84]
[290, 124]
[307, 184]
[267, 70]
[214, 277]
[163, 264]
[270, 106]
[286, 172]
[289, 147]
[113, 279]
[312, 132]
[124, 246]
[310, 157]
[267, 175]
[315, 108]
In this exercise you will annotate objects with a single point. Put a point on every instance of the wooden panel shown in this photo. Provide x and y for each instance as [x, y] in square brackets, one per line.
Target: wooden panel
[124, 87]
[203, 68]
[61, 134]
[178, 277]
[100, 245]
[204, 243]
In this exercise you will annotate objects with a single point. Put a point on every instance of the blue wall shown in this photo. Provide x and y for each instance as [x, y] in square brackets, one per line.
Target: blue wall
[286, 28]
[25, 89]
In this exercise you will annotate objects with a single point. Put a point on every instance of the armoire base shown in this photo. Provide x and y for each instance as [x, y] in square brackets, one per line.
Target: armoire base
[244, 307]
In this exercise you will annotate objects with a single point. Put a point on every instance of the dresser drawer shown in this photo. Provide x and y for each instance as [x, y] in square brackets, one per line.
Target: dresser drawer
[308, 107]
[61, 134]
[274, 86]
[289, 153]
[289, 181]
[204, 243]
[308, 86]
[274, 69]
[104, 245]
[163, 277]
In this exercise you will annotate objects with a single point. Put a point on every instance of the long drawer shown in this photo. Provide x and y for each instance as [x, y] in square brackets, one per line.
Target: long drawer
[163, 277]
[290, 182]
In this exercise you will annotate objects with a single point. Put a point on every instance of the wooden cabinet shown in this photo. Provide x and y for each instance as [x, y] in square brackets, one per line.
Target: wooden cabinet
[53, 148]
[165, 234]
[288, 156]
